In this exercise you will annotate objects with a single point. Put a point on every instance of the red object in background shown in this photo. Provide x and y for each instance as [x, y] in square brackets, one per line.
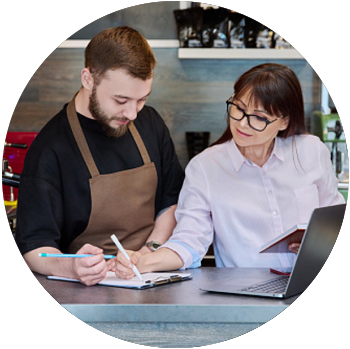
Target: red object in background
[16, 156]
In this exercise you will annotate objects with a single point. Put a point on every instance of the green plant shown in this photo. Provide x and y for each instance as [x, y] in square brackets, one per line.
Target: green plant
[68, 332]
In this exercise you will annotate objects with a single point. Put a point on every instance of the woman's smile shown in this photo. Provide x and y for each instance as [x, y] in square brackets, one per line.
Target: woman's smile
[242, 134]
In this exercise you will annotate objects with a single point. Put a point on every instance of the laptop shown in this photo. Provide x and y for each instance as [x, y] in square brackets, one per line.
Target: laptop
[316, 245]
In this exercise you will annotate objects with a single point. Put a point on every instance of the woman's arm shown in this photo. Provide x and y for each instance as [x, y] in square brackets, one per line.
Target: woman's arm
[191, 237]
[163, 228]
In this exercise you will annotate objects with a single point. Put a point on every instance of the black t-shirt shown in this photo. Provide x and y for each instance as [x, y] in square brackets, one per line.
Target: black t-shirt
[54, 200]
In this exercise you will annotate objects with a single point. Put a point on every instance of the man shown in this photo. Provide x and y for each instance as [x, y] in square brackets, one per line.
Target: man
[103, 165]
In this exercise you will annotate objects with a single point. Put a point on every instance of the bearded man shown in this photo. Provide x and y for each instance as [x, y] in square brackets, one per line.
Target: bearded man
[105, 164]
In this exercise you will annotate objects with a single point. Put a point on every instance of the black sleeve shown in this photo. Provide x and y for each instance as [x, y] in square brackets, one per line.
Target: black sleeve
[171, 169]
[39, 215]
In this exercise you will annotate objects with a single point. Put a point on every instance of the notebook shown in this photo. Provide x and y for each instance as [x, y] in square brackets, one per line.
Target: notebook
[281, 243]
[149, 280]
[317, 243]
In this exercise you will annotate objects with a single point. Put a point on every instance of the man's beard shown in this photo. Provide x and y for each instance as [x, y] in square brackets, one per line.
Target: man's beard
[100, 116]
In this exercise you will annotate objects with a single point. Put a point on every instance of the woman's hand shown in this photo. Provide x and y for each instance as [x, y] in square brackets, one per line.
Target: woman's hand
[123, 267]
[294, 247]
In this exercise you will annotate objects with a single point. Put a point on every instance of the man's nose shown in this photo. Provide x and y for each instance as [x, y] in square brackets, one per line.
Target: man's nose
[130, 111]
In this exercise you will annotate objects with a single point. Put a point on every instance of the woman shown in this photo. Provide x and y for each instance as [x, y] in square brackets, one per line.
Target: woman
[262, 177]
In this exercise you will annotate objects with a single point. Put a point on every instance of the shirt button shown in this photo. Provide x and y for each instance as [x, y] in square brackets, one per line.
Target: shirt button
[274, 212]
[269, 192]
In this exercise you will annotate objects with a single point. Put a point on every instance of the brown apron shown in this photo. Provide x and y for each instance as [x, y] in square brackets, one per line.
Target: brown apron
[122, 203]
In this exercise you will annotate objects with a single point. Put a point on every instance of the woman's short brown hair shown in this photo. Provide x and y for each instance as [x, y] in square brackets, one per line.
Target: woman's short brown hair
[120, 48]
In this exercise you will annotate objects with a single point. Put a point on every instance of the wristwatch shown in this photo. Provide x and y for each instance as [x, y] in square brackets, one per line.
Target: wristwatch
[153, 245]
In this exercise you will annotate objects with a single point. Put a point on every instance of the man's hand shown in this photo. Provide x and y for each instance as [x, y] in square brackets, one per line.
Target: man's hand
[123, 267]
[294, 247]
[91, 270]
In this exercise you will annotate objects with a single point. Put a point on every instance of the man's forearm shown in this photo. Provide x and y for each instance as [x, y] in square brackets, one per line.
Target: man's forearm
[48, 266]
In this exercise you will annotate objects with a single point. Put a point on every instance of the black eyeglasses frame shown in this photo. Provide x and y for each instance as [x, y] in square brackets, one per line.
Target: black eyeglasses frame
[267, 122]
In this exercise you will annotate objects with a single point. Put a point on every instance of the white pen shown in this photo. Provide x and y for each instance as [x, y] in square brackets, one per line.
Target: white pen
[121, 249]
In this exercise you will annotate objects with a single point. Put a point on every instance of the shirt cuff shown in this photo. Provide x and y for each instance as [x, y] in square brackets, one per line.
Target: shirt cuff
[189, 256]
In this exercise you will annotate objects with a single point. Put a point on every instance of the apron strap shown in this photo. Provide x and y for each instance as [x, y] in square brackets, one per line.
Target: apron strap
[80, 138]
[141, 146]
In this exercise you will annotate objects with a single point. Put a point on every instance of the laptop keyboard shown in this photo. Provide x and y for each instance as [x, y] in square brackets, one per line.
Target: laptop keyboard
[277, 285]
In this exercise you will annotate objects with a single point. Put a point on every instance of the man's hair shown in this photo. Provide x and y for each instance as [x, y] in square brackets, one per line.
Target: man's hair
[119, 48]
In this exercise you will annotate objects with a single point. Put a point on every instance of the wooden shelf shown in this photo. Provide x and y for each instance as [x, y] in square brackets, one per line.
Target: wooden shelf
[230, 53]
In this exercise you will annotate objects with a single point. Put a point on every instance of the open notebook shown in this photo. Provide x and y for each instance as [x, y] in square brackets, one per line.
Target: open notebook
[149, 280]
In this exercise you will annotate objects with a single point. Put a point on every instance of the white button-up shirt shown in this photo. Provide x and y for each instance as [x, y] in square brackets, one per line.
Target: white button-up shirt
[228, 200]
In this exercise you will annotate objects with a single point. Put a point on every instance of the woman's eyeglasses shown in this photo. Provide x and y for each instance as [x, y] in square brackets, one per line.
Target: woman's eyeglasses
[257, 123]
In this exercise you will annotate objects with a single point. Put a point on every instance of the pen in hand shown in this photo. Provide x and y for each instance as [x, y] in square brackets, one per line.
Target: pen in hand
[62, 255]
[121, 249]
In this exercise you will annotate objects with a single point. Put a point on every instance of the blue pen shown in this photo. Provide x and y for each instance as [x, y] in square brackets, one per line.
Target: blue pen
[60, 255]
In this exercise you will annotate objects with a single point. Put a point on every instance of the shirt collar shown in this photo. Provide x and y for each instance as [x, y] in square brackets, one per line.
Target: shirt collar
[238, 159]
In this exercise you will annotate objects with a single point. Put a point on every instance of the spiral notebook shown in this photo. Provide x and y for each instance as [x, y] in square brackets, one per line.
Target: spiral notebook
[149, 280]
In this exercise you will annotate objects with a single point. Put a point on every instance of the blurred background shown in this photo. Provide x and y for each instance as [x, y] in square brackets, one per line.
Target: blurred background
[318, 29]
